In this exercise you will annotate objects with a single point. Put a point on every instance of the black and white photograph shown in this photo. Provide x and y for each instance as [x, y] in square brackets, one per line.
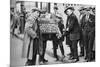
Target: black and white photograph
[45, 33]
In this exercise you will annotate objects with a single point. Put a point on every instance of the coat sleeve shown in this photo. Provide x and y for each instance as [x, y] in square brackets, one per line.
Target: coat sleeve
[83, 22]
[70, 26]
[92, 20]
[30, 28]
[29, 22]
[62, 27]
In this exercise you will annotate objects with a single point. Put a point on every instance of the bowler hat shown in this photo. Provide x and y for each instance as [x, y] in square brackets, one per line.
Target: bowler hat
[71, 8]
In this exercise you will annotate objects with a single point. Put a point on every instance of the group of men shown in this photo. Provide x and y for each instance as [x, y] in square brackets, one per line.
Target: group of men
[87, 24]
[35, 43]
[82, 31]
[17, 20]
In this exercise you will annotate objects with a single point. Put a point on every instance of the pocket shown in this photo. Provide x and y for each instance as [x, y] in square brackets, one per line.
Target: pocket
[31, 33]
[75, 36]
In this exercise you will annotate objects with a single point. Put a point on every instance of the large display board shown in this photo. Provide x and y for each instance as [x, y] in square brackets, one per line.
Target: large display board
[48, 25]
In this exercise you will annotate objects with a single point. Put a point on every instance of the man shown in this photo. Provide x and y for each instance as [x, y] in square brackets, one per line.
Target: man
[91, 34]
[44, 39]
[12, 13]
[73, 30]
[51, 36]
[88, 33]
[61, 39]
[22, 19]
[31, 42]
[93, 10]
[81, 19]
[15, 20]
[58, 38]
[56, 15]
[93, 50]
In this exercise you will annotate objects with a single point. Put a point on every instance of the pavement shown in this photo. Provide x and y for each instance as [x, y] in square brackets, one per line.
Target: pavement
[16, 43]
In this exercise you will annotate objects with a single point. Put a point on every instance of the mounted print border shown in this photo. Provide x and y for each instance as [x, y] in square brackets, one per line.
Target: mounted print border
[44, 33]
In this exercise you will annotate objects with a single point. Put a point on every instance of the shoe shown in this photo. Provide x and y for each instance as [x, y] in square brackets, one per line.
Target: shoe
[71, 58]
[29, 62]
[85, 58]
[44, 60]
[81, 55]
[75, 60]
[62, 57]
[57, 59]
[70, 54]
[89, 60]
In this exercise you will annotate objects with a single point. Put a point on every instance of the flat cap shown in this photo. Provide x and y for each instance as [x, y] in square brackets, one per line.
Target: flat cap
[88, 8]
[93, 8]
[36, 9]
[56, 8]
[82, 8]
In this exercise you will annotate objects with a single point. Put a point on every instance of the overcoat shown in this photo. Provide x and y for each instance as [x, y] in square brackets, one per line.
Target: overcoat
[29, 45]
[73, 26]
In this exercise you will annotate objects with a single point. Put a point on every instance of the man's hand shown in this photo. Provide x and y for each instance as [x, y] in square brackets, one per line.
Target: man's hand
[67, 29]
[59, 35]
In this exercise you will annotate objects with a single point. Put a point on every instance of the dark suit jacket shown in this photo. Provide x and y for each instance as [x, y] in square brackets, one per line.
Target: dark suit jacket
[61, 27]
[88, 25]
[74, 28]
[92, 22]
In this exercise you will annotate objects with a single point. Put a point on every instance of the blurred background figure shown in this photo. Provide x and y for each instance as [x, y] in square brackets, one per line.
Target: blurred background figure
[81, 20]
[93, 50]
[15, 18]
[61, 39]
[22, 19]
[88, 26]
[55, 15]
[11, 17]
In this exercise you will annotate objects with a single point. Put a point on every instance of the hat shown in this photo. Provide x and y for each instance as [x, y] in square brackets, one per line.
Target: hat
[44, 10]
[36, 9]
[59, 16]
[93, 8]
[71, 8]
[88, 8]
[11, 7]
[56, 8]
[82, 8]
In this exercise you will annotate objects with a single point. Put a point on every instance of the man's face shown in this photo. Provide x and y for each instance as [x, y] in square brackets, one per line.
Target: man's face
[37, 13]
[12, 10]
[88, 12]
[94, 11]
[85, 12]
[91, 12]
[69, 12]
[81, 12]
[55, 10]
